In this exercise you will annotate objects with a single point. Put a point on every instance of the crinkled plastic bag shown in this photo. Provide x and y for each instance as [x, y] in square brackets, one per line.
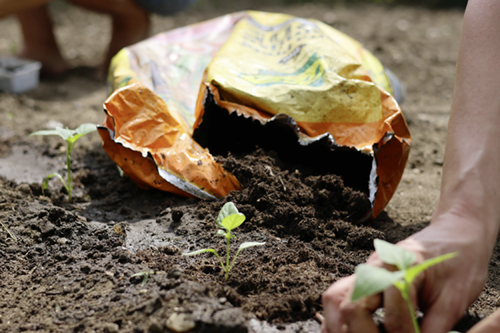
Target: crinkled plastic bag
[314, 93]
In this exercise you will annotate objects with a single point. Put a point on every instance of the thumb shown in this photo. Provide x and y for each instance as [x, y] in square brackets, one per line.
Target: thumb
[490, 324]
[358, 315]
[440, 317]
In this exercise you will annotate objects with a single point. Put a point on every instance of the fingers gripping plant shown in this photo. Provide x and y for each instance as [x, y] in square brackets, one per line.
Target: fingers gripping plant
[372, 280]
[229, 218]
[70, 136]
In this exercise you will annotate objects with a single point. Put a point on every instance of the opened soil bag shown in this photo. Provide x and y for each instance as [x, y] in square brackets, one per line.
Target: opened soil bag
[297, 86]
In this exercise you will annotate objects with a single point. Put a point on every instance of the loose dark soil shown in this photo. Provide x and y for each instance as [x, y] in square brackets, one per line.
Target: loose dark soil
[71, 266]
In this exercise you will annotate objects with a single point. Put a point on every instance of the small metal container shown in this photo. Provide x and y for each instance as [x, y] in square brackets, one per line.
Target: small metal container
[18, 75]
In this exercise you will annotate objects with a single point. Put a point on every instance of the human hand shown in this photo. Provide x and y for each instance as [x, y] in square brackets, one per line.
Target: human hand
[488, 325]
[443, 292]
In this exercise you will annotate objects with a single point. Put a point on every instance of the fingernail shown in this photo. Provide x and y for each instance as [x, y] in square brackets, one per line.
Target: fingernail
[345, 329]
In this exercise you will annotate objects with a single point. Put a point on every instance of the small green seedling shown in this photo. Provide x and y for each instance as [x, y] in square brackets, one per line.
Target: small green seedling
[229, 218]
[145, 277]
[372, 280]
[70, 136]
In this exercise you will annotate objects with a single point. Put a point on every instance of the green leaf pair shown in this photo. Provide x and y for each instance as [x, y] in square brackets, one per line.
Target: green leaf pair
[70, 136]
[67, 134]
[229, 218]
[372, 280]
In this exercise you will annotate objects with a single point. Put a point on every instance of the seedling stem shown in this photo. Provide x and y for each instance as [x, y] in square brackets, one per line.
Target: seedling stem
[404, 287]
[229, 218]
[372, 280]
[70, 136]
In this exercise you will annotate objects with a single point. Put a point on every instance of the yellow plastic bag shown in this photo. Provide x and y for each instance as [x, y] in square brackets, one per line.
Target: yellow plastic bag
[264, 67]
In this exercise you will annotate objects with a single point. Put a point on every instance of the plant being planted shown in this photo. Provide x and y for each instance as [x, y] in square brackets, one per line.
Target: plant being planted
[372, 280]
[229, 218]
[70, 136]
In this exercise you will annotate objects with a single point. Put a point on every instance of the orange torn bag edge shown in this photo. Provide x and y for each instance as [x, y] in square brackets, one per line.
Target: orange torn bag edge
[143, 168]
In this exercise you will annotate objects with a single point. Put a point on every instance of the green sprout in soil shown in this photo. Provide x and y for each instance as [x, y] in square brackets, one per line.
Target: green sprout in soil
[372, 280]
[229, 218]
[145, 277]
[70, 136]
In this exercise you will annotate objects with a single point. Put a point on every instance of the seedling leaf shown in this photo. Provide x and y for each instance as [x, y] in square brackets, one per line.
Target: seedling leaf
[372, 280]
[145, 277]
[233, 221]
[199, 251]
[394, 255]
[85, 129]
[413, 272]
[70, 136]
[249, 244]
[228, 209]
[64, 133]
[228, 219]
[244, 246]
[67, 133]
[207, 250]
[45, 184]
[79, 132]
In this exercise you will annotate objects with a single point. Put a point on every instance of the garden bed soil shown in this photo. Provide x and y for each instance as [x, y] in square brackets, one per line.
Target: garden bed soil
[71, 266]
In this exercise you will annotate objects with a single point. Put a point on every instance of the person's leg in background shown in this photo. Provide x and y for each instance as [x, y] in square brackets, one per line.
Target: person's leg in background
[130, 24]
[39, 40]
[131, 20]
[165, 7]
[36, 26]
[9, 7]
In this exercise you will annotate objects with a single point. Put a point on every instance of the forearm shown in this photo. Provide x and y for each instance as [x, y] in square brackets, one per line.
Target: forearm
[467, 218]
[471, 175]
